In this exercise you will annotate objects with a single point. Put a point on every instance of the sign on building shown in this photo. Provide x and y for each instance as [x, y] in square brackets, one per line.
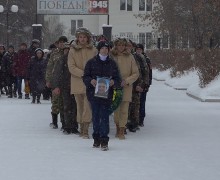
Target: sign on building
[72, 7]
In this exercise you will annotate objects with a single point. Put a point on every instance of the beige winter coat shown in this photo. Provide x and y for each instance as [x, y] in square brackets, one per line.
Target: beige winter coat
[128, 70]
[77, 59]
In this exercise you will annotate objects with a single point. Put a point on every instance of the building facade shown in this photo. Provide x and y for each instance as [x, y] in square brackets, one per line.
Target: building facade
[121, 17]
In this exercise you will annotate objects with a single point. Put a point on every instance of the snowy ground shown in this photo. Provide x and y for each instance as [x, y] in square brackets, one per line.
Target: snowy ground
[180, 141]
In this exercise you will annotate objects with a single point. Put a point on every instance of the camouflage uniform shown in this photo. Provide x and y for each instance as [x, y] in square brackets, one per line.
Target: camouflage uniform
[142, 81]
[61, 80]
[56, 100]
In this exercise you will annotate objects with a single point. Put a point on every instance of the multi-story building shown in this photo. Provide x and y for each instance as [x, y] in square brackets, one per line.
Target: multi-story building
[122, 18]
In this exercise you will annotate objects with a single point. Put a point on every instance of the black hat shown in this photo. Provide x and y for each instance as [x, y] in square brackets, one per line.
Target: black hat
[11, 46]
[141, 46]
[62, 38]
[102, 44]
[52, 46]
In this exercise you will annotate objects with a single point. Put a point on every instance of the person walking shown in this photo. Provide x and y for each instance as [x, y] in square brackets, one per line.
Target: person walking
[80, 52]
[129, 73]
[104, 68]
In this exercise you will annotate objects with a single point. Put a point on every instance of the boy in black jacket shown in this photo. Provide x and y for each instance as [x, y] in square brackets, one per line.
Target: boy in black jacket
[101, 67]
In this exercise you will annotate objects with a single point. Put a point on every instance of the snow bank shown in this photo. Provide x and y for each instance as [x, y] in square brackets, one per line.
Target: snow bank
[161, 75]
[211, 93]
[183, 82]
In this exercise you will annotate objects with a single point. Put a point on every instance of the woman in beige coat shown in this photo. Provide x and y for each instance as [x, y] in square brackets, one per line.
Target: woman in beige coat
[129, 74]
[79, 54]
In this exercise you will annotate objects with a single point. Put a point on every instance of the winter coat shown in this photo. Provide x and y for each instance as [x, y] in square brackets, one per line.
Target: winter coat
[54, 57]
[143, 79]
[77, 59]
[128, 70]
[61, 75]
[21, 62]
[1, 73]
[7, 67]
[36, 74]
[98, 68]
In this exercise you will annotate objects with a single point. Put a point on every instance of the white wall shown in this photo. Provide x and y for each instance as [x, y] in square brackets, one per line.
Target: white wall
[122, 21]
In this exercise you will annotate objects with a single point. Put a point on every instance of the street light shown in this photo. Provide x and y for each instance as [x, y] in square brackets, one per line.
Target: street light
[14, 9]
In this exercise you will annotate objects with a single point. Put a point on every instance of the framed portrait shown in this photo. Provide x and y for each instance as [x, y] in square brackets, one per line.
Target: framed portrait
[102, 87]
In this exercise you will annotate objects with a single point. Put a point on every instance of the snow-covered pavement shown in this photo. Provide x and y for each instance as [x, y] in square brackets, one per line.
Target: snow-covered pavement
[180, 141]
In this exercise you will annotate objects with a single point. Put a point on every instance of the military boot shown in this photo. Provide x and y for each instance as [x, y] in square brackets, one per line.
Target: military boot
[121, 135]
[86, 130]
[54, 124]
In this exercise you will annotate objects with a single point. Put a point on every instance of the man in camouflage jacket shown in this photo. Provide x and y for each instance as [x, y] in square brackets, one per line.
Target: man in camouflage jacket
[57, 104]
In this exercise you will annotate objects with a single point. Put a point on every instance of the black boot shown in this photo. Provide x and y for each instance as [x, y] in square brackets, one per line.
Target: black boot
[27, 96]
[96, 143]
[38, 100]
[104, 144]
[33, 100]
[54, 124]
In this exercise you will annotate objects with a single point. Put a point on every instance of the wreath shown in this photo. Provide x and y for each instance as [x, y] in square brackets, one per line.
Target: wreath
[116, 100]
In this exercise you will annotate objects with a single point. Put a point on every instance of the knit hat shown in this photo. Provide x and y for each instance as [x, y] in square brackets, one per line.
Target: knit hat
[62, 38]
[141, 46]
[102, 44]
[83, 30]
[39, 49]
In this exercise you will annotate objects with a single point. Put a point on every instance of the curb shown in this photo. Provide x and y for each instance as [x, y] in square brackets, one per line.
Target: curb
[202, 100]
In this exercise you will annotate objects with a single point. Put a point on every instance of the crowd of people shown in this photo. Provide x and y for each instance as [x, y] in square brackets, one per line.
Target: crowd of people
[84, 80]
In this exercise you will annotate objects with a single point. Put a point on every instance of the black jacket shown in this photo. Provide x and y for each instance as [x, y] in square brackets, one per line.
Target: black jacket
[98, 68]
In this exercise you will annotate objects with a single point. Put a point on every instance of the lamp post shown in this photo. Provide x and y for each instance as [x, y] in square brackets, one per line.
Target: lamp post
[13, 9]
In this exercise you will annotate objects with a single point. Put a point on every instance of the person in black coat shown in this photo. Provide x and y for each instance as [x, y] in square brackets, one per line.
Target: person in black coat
[36, 74]
[7, 70]
[105, 68]
[2, 84]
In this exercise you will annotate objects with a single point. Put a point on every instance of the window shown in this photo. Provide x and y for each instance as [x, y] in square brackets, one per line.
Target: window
[75, 24]
[145, 5]
[142, 38]
[146, 39]
[126, 5]
[165, 40]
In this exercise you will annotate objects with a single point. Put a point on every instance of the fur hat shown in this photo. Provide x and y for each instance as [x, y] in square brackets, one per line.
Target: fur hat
[102, 44]
[119, 41]
[35, 41]
[83, 30]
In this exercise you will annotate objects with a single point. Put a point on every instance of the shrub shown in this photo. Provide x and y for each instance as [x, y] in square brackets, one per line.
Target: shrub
[207, 62]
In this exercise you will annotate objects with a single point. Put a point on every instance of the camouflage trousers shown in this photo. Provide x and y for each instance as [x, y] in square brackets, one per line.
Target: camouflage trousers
[70, 109]
[57, 106]
[134, 107]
